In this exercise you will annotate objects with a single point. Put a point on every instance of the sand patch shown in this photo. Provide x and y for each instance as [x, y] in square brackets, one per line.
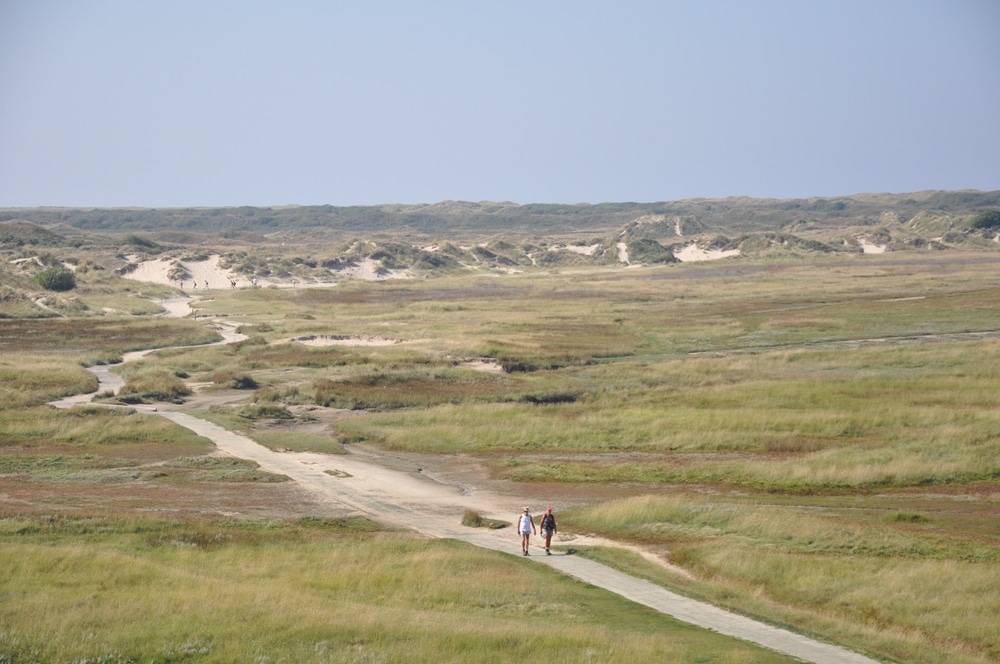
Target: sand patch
[622, 252]
[577, 249]
[487, 366]
[369, 269]
[870, 247]
[344, 340]
[692, 253]
[201, 275]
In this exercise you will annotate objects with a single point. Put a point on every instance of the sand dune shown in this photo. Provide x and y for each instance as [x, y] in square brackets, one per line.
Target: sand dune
[205, 275]
[210, 275]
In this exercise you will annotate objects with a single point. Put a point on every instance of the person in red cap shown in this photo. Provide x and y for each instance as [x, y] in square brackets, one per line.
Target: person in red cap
[547, 528]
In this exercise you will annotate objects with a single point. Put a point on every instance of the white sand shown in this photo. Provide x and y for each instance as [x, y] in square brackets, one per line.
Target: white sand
[871, 248]
[576, 249]
[344, 340]
[691, 253]
[205, 274]
[216, 277]
[367, 270]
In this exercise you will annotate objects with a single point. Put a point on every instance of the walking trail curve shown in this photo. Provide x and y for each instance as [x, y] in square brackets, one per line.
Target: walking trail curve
[434, 509]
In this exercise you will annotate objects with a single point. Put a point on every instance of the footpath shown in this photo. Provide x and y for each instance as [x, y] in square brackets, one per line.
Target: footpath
[435, 509]
[398, 498]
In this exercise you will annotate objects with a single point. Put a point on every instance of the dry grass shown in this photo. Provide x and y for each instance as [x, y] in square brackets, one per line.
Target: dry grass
[313, 591]
[920, 594]
[840, 414]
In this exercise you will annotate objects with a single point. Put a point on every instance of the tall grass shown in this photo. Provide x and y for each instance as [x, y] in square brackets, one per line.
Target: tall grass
[777, 381]
[314, 593]
[31, 379]
[920, 595]
[90, 431]
[874, 416]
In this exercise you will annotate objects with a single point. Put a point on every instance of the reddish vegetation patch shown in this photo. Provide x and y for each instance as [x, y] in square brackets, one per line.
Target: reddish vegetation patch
[240, 500]
[67, 335]
[326, 297]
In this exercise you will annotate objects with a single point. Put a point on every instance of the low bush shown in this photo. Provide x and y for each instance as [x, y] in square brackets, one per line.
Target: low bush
[234, 380]
[56, 279]
[265, 412]
[473, 519]
[152, 388]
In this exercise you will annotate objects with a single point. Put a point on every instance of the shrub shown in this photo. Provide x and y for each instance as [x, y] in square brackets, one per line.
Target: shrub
[473, 519]
[557, 397]
[272, 395]
[157, 387]
[988, 219]
[237, 381]
[56, 279]
[265, 412]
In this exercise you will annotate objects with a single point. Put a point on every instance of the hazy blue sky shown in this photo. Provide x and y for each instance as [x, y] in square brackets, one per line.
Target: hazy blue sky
[182, 103]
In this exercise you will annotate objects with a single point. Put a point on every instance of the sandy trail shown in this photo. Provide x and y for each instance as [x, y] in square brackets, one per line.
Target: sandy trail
[411, 499]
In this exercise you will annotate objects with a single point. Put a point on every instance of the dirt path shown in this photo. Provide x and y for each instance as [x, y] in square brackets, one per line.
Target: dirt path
[411, 499]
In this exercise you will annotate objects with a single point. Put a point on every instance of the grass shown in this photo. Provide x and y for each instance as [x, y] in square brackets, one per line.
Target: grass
[817, 444]
[31, 379]
[791, 420]
[265, 426]
[924, 595]
[93, 431]
[309, 591]
[474, 519]
[99, 336]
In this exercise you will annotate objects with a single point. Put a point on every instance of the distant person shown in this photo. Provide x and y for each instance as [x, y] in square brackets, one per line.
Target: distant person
[206, 284]
[526, 527]
[547, 528]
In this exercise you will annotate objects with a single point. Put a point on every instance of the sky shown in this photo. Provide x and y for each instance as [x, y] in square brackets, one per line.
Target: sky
[177, 103]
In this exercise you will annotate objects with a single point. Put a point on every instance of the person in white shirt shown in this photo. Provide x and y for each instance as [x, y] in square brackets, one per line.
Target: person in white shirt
[526, 528]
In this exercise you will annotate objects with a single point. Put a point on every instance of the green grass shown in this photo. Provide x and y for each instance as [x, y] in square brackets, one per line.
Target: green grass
[309, 591]
[92, 430]
[816, 443]
[260, 427]
[922, 595]
[31, 379]
[790, 420]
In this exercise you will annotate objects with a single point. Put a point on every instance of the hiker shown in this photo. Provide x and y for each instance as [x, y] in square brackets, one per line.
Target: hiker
[526, 527]
[206, 284]
[547, 528]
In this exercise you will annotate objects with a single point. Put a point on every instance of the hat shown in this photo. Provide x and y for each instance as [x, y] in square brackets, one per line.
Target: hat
[548, 509]
[525, 509]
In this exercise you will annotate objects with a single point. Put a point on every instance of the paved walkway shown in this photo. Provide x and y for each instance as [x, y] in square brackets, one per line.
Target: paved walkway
[401, 499]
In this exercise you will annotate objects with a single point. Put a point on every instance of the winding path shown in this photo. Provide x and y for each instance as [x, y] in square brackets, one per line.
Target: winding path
[434, 509]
